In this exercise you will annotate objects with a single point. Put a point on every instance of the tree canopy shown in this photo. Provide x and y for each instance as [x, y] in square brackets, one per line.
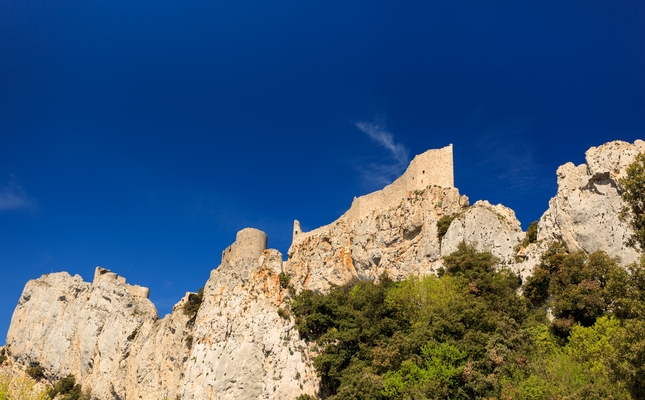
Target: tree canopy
[470, 333]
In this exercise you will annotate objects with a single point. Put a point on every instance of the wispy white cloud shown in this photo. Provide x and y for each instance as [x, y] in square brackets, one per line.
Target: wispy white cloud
[385, 173]
[13, 197]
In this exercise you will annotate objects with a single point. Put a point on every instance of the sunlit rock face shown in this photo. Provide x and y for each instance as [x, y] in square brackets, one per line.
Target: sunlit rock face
[241, 344]
[237, 346]
[399, 240]
[242, 347]
[86, 329]
[492, 228]
[393, 230]
[585, 211]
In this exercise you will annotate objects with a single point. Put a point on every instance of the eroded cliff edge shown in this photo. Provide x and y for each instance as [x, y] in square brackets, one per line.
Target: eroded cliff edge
[237, 346]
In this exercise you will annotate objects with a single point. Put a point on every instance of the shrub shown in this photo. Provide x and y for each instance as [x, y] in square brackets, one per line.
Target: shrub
[189, 341]
[531, 233]
[284, 280]
[574, 285]
[284, 314]
[633, 193]
[530, 237]
[443, 224]
[194, 302]
[23, 388]
[68, 388]
[36, 371]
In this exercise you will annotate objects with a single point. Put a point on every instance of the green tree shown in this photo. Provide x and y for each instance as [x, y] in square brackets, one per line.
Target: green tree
[573, 285]
[633, 193]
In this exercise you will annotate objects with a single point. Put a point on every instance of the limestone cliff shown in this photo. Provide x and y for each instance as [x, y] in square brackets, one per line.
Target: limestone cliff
[489, 227]
[584, 213]
[394, 230]
[400, 240]
[238, 345]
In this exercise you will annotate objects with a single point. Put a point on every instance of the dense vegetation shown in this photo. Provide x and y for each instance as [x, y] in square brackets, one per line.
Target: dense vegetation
[469, 333]
[633, 193]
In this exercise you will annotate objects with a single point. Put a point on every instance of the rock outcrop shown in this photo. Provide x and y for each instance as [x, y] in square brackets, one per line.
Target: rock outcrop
[396, 230]
[400, 240]
[584, 213]
[74, 327]
[237, 345]
[242, 347]
[492, 228]
[241, 343]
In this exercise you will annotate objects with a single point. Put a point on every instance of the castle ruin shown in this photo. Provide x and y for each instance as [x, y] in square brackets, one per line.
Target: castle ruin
[135, 290]
[249, 242]
[431, 168]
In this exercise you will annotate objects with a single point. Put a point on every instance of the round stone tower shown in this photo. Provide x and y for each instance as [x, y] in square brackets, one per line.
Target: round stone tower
[249, 243]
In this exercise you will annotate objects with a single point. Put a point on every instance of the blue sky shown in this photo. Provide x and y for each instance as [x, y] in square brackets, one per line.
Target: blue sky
[142, 137]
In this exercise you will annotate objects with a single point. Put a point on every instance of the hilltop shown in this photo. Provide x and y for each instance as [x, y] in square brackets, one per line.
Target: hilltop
[235, 339]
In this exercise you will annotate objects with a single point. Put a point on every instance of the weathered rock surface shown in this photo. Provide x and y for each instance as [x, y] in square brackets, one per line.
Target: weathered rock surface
[585, 211]
[397, 232]
[237, 346]
[400, 240]
[74, 327]
[242, 348]
[492, 228]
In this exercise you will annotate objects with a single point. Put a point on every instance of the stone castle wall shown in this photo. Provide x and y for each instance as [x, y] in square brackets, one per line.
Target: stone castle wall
[135, 290]
[249, 242]
[434, 167]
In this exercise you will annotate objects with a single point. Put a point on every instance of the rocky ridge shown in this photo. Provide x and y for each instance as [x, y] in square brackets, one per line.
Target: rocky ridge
[584, 213]
[238, 346]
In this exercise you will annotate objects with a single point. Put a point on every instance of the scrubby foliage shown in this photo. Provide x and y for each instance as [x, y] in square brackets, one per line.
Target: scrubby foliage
[284, 314]
[68, 389]
[20, 388]
[194, 302]
[573, 286]
[531, 235]
[633, 193]
[469, 333]
[284, 280]
[35, 371]
[443, 224]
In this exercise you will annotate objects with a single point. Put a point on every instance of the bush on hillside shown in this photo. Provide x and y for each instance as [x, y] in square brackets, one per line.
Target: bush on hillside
[35, 371]
[443, 224]
[194, 302]
[633, 193]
